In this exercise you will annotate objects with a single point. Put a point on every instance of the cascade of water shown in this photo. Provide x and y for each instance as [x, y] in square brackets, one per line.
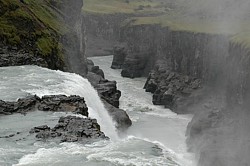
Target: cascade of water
[18, 81]
[75, 84]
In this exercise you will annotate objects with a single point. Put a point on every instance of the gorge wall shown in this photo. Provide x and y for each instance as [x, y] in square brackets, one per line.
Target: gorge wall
[47, 39]
[205, 74]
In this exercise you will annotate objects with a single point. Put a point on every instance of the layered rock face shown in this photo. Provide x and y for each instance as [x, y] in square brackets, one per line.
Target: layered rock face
[109, 94]
[74, 40]
[13, 58]
[204, 74]
[102, 33]
[176, 62]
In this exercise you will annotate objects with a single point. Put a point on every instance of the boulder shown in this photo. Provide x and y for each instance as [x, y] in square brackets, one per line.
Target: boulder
[120, 116]
[109, 92]
[62, 103]
[71, 129]
[56, 103]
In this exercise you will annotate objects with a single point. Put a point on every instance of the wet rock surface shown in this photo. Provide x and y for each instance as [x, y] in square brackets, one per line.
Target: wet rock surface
[62, 103]
[17, 58]
[170, 88]
[55, 103]
[106, 89]
[110, 95]
[70, 129]
[120, 116]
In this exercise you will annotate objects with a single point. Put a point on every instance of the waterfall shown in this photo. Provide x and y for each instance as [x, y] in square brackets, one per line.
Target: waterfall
[17, 82]
[75, 84]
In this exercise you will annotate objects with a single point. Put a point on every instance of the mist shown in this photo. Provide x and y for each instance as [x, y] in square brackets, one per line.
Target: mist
[222, 123]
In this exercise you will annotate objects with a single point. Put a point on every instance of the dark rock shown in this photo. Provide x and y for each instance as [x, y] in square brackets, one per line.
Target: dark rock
[90, 64]
[120, 116]
[170, 88]
[119, 55]
[26, 104]
[109, 92]
[18, 58]
[150, 85]
[71, 129]
[62, 103]
[110, 96]
[98, 71]
[94, 79]
[6, 108]
[56, 103]
[168, 99]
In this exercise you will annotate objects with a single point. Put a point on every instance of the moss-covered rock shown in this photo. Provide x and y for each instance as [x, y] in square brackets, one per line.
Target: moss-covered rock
[37, 27]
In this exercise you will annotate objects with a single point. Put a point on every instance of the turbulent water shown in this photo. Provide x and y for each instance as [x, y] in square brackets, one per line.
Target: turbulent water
[157, 136]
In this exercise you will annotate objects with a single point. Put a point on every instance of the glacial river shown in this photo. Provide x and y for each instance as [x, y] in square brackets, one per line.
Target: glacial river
[156, 138]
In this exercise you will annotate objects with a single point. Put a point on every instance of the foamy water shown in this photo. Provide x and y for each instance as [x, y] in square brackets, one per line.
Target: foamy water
[157, 137]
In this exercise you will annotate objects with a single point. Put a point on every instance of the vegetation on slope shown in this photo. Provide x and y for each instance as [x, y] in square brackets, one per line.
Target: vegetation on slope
[33, 25]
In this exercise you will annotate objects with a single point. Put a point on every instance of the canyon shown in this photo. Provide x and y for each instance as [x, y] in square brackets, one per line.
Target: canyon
[200, 69]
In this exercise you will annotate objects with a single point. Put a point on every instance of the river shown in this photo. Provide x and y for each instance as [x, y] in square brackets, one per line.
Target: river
[156, 138]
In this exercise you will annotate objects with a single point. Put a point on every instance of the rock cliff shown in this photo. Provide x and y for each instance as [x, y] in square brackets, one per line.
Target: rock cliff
[198, 72]
[44, 30]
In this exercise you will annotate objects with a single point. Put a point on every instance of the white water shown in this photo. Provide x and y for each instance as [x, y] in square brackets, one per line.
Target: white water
[150, 122]
[20, 81]
[157, 137]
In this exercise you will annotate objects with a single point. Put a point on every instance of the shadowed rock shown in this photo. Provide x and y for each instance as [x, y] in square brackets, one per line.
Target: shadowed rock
[119, 56]
[120, 116]
[62, 103]
[71, 129]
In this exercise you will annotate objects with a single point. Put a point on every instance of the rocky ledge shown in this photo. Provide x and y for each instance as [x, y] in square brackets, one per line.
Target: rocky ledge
[71, 129]
[55, 103]
[12, 57]
[170, 88]
[109, 94]
[62, 103]
[106, 89]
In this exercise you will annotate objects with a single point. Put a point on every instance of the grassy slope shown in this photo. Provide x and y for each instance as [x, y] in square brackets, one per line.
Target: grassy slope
[198, 16]
[35, 22]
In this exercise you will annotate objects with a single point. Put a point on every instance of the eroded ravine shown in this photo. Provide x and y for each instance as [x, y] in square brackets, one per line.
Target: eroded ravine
[150, 122]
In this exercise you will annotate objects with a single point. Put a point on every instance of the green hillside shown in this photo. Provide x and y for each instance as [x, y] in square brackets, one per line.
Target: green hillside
[30, 25]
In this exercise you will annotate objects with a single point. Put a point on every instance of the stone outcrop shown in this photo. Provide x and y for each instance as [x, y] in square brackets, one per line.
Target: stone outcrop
[119, 54]
[61, 103]
[12, 58]
[176, 62]
[68, 129]
[169, 88]
[71, 129]
[204, 74]
[55, 103]
[120, 116]
[106, 89]
[109, 94]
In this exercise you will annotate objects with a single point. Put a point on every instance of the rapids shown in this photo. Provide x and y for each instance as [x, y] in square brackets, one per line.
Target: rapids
[156, 138]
